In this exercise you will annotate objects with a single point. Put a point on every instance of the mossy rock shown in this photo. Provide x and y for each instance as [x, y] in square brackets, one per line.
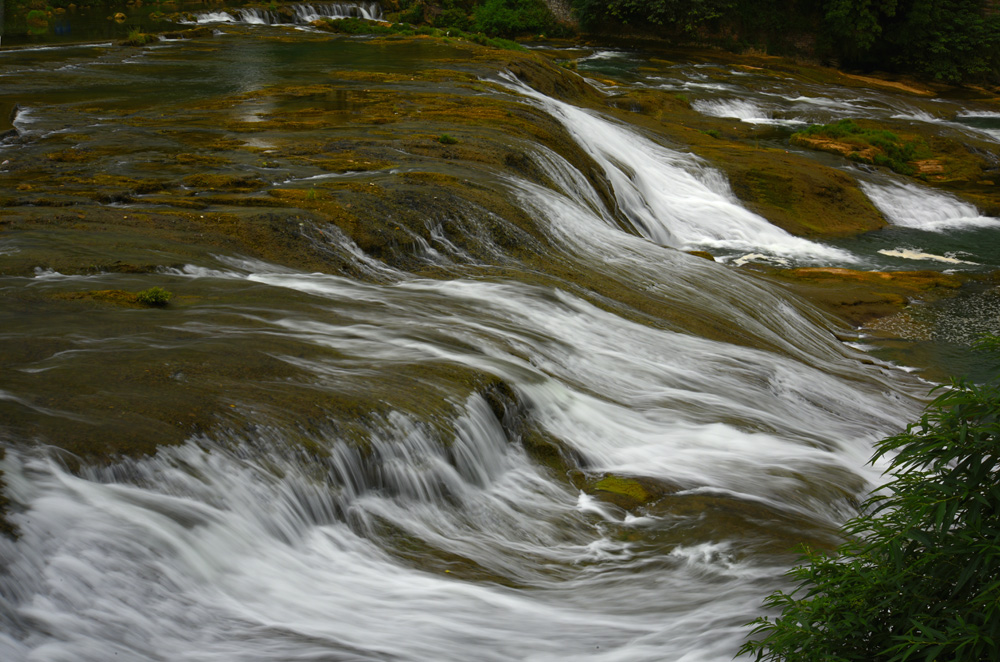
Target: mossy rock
[798, 195]
[112, 297]
[628, 492]
[230, 182]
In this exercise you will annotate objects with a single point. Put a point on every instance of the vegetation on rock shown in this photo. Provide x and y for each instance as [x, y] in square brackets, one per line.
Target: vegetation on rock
[138, 38]
[154, 296]
[866, 145]
[509, 18]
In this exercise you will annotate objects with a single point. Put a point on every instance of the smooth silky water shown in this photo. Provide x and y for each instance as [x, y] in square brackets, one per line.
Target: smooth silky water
[341, 462]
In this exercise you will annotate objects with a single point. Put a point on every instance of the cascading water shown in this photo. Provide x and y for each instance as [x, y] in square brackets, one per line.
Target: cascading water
[987, 122]
[673, 198]
[400, 463]
[260, 553]
[912, 206]
[744, 111]
[300, 14]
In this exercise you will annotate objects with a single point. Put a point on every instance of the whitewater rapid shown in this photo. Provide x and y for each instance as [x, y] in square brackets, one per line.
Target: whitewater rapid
[416, 473]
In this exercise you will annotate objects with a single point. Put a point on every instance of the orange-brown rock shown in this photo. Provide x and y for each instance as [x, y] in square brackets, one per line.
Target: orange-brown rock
[858, 297]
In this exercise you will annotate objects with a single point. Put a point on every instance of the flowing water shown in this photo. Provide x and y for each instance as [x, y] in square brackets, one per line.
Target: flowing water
[402, 459]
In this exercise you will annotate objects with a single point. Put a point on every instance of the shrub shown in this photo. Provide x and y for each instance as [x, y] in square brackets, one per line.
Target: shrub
[920, 574]
[414, 14]
[445, 139]
[453, 18]
[138, 38]
[154, 296]
[38, 22]
[892, 151]
[509, 18]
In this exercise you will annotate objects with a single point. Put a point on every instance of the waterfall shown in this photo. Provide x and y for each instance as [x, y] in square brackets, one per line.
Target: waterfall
[913, 206]
[301, 14]
[673, 198]
[743, 110]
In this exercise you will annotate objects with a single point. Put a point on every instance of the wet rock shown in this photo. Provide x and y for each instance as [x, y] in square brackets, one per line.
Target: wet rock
[861, 296]
[628, 492]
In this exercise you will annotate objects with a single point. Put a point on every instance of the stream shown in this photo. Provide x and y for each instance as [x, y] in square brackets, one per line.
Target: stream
[420, 401]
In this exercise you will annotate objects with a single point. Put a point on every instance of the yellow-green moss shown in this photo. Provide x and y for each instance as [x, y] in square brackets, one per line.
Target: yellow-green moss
[628, 492]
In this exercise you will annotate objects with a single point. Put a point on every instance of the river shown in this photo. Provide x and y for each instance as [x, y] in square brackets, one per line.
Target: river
[431, 401]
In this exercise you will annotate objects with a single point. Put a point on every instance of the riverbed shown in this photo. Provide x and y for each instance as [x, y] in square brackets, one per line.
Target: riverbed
[440, 377]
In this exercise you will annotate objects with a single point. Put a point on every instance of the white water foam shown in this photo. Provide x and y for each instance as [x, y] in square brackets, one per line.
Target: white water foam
[652, 415]
[302, 14]
[912, 206]
[911, 254]
[972, 123]
[992, 117]
[916, 115]
[237, 546]
[743, 110]
[673, 198]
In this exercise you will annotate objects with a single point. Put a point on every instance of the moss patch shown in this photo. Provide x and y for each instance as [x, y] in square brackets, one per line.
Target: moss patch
[230, 182]
[866, 144]
[629, 492]
[800, 196]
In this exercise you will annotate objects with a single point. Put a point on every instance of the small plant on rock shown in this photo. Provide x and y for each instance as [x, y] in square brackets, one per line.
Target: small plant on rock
[154, 296]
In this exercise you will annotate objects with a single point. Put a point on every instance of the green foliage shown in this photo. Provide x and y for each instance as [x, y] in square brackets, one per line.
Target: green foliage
[857, 24]
[950, 40]
[137, 38]
[891, 151]
[453, 18]
[509, 18]
[445, 139]
[715, 133]
[988, 343]
[679, 15]
[919, 578]
[358, 26]
[38, 22]
[154, 296]
[414, 13]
